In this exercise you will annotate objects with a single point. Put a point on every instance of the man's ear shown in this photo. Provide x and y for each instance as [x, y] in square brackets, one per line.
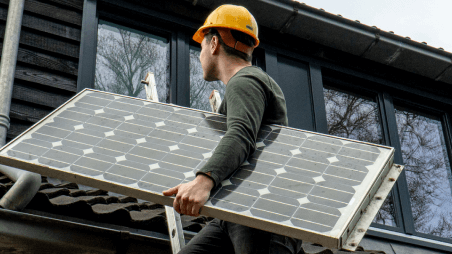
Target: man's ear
[215, 45]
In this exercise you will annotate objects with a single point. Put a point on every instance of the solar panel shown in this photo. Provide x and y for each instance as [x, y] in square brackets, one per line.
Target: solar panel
[298, 183]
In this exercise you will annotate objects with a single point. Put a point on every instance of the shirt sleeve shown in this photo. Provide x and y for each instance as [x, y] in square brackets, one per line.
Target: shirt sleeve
[246, 102]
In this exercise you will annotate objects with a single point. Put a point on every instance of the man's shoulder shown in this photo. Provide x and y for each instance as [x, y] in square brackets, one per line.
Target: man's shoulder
[251, 74]
[251, 71]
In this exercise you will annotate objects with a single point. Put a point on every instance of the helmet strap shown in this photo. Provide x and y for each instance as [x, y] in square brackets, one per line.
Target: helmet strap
[229, 40]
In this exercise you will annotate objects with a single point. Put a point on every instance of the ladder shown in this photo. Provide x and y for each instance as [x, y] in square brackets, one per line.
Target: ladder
[176, 233]
[173, 218]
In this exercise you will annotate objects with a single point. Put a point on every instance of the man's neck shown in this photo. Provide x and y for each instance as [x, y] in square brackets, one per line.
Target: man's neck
[229, 67]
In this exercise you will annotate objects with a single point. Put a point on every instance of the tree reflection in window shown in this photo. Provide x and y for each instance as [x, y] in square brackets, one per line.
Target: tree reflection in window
[427, 170]
[356, 117]
[125, 56]
[199, 88]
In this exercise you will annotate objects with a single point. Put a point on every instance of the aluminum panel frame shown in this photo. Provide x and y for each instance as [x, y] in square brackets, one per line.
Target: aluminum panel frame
[333, 238]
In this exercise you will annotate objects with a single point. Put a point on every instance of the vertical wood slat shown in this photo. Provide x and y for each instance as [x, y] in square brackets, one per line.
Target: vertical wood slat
[293, 78]
[271, 63]
[447, 127]
[88, 46]
[173, 69]
[318, 101]
[183, 69]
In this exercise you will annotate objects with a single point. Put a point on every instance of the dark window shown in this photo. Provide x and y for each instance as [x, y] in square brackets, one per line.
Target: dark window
[427, 169]
[124, 57]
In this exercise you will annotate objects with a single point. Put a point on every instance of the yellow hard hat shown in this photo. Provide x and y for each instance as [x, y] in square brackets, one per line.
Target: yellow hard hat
[231, 17]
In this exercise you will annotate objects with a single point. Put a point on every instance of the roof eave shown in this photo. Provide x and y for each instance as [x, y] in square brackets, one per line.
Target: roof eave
[349, 36]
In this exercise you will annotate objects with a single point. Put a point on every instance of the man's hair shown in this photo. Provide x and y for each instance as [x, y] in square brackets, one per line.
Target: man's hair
[239, 36]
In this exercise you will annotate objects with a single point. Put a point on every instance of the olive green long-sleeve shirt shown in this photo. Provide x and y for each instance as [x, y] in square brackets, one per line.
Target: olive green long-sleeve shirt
[252, 98]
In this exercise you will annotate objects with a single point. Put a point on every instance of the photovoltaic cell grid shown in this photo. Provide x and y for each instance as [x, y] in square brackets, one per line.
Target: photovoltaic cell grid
[295, 178]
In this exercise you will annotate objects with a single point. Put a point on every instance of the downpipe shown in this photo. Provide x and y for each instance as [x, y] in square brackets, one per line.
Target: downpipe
[26, 183]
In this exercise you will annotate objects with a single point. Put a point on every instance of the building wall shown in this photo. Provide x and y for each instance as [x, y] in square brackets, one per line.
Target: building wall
[46, 71]
[47, 68]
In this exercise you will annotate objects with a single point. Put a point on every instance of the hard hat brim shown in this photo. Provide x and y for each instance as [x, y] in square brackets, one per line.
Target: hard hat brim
[199, 35]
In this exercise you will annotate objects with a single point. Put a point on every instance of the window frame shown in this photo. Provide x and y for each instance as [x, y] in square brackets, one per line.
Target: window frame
[178, 42]
[385, 102]
[442, 116]
[378, 98]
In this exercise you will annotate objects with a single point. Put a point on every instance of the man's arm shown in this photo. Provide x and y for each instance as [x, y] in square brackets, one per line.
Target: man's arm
[246, 101]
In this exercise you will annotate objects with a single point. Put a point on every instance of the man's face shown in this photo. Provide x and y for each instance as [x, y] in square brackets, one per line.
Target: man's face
[207, 62]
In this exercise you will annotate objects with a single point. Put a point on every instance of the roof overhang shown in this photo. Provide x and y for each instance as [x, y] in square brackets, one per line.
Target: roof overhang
[319, 26]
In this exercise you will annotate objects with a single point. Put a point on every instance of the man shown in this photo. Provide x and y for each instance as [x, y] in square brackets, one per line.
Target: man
[228, 38]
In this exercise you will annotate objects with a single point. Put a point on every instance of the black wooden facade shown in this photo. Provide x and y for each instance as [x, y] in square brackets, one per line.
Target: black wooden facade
[46, 72]
[57, 58]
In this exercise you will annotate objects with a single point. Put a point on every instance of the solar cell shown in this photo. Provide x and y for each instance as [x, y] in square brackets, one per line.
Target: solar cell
[299, 183]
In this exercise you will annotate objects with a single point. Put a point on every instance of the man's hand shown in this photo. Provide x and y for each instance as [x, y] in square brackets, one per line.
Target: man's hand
[190, 197]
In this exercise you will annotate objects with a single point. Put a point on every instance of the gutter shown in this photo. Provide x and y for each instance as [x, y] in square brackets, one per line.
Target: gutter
[30, 233]
[26, 183]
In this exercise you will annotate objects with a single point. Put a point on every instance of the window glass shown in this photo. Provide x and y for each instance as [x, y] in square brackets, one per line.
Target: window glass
[427, 170]
[356, 117]
[199, 88]
[352, 116]
[124, 57]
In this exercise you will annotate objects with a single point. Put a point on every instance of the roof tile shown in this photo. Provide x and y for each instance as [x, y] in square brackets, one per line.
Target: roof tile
[126, 199]
[68, 185]
[97, 192]
[113, 207]
[67, 200]
[147, 215]
[315, 249]
[76, 193]
[54, 192]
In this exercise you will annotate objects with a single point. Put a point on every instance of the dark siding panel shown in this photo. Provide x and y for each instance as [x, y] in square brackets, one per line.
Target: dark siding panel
[38, 40]
[46, 61]
[51, 11]
[26, 112]
[17, 127]
[46, 71]
[44, 78]
[43, 25]
[30, 94]
[293, 80]
[74, 4]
